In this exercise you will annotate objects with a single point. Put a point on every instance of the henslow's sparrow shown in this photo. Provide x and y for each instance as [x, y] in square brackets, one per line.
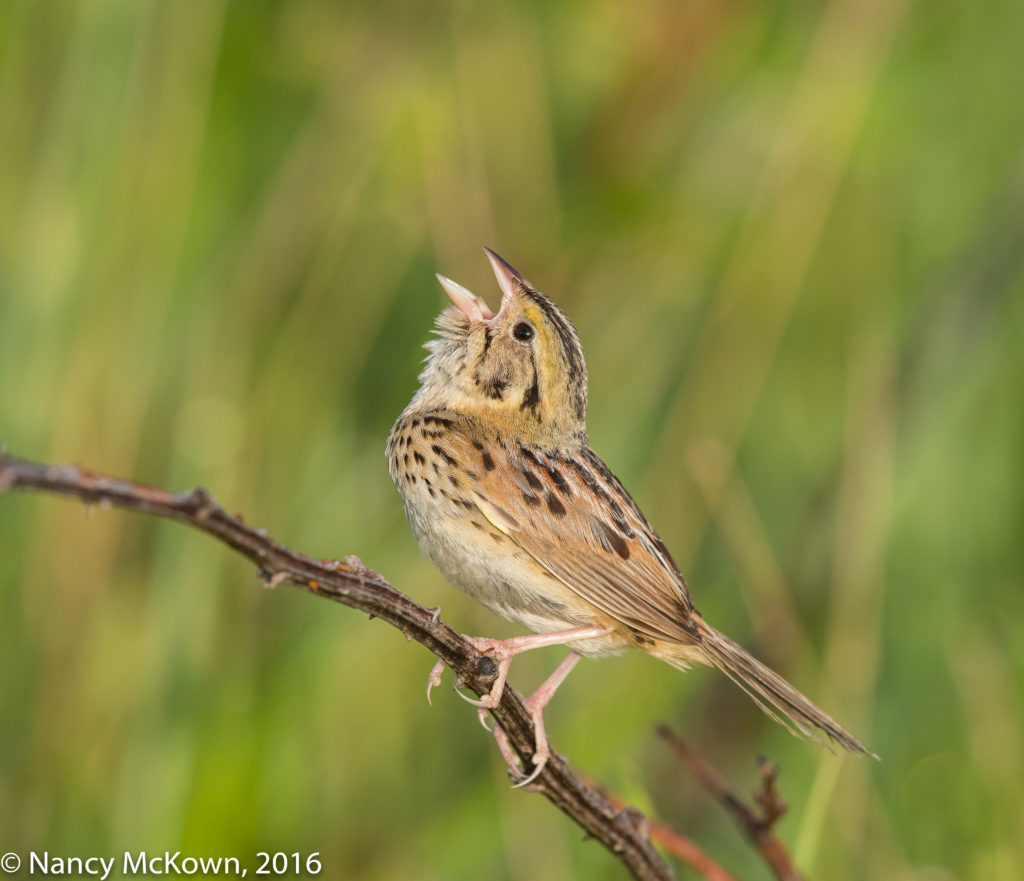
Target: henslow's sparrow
[503, 492]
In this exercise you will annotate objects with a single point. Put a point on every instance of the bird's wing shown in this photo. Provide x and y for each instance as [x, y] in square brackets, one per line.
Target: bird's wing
[571, 515]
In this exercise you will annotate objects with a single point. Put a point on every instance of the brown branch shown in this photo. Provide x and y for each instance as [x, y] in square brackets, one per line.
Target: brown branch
[756, 828]
[623, 832]
[677, 844]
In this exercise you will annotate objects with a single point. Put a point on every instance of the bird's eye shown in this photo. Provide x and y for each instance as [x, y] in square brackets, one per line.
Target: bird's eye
[523, 332]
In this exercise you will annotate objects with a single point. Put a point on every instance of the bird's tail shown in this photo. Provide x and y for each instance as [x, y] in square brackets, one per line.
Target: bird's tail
[776, 697]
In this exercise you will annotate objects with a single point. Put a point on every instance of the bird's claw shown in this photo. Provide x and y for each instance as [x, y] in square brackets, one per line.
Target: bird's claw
[490, 700]
[538, 766]
[515, 764]
[434, 679]
[482, 715]
[484, 703]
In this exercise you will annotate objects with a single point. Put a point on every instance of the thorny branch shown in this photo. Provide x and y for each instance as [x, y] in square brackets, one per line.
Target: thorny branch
[352, 584]
[626, 832]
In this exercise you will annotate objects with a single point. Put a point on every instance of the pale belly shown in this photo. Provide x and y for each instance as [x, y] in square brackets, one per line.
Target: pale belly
[492, 569]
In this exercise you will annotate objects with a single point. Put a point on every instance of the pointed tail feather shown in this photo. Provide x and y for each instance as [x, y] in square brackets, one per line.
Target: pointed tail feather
[776, 697]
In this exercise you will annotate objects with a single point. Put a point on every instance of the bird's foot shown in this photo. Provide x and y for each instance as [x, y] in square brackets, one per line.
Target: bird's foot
[504, 650]
[535, 705]
[491, 647]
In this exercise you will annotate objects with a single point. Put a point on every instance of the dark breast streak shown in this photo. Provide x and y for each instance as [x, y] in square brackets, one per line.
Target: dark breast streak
[422, 462]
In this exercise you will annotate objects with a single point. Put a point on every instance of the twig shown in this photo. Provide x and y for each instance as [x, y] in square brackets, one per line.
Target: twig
[756, 828]
[623, 832]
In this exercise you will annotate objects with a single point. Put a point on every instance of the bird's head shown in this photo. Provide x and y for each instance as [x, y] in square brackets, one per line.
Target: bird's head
[522, 368]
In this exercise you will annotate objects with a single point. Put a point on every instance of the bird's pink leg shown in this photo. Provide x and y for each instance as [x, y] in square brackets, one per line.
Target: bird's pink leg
[535, 705]
[504, 650]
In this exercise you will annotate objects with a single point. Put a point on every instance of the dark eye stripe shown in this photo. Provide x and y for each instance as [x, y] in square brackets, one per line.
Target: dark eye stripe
[570, 348]
[566, 334]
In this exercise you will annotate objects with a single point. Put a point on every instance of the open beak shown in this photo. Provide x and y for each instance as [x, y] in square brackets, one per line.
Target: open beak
[509, 280]
[472, 306]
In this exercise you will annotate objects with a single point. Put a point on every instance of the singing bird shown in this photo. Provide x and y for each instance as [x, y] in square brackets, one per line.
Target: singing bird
[504, 493]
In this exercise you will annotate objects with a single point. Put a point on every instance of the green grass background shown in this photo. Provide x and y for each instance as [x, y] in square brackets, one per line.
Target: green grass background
[791, 238]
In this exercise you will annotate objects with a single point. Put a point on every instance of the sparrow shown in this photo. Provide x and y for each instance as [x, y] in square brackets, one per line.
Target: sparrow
[505, 495]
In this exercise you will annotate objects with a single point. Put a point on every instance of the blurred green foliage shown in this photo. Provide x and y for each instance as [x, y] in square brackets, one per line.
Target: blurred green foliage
[791, 238]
